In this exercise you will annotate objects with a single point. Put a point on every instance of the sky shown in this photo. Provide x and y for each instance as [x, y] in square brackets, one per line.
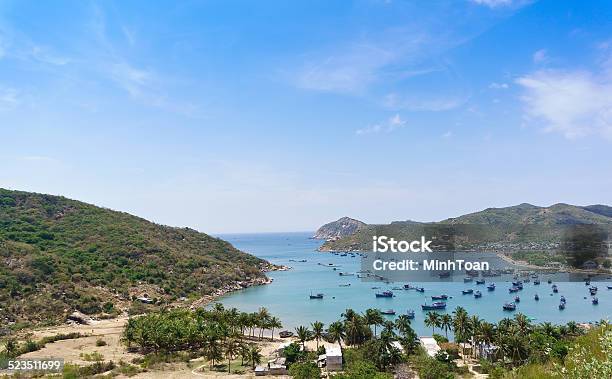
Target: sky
[261, 116]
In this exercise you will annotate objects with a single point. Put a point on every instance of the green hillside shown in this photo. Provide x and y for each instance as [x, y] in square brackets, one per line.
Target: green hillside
[59, 255]
[520, 224]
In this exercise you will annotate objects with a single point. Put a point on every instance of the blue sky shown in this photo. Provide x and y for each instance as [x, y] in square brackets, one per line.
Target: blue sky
[243, 116]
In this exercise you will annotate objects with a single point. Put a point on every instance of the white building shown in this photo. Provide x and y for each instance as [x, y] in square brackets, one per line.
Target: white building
[333, 358]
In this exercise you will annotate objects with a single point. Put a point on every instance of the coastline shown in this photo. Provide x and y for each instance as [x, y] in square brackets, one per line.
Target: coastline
[237, 286]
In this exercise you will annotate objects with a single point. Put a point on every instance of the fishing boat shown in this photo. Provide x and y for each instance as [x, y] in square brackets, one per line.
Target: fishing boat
[346, 274]
[345, 285]
[468, 291]
[549, 281]
[593, 288]
[517, 283]
[610, 287]
[517, 299]
[536, 282]
[439, 297]
[561, 306]
[513, 289]
[562, 299]
[509, 306]
[595, 301]
[444, 274]
[389, 312]
[434, 306]
[536, 297]
[467, 279]
[317, 296]
[477, 294]
[555, 288]
[420, 289]
[384, 294]
[408, 287]
[587, 283]
[480, 281]
[410, 314]
[592, 291]
[397, 288]
[491, 287]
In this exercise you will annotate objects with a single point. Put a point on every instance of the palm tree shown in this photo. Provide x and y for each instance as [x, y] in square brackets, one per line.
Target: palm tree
[336, 332]
[303, 334]
[446, 322]
[432, 320]
[402, 323]
[11, 347]
[254, 355]
[212, 350]
[231, 350]
[262, 316]
[317, 331]
[474, 328]
[373, 317]
[349, 314]
[573, 328]
[486, 333]
[274, 323]
[460, 324]
[523, 323]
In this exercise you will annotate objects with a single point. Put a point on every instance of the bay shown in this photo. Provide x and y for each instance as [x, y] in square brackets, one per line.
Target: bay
[288, 296]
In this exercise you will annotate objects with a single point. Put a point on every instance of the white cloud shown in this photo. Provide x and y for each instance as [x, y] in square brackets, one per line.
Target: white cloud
[427, 103]
[351, 70]
[573, 103]
[447, 135]
[389, 126]
[540, 56]
[499, 3]
[9, 98]
[499, 85]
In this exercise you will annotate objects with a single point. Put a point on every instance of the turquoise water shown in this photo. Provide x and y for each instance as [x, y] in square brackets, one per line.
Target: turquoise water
[287, 297]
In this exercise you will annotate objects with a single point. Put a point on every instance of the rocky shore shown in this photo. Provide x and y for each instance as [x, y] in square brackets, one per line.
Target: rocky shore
[239, 285]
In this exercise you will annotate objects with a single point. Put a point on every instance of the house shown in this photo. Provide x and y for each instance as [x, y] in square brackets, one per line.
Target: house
[333, 358]
[275, 367]
[430, 345]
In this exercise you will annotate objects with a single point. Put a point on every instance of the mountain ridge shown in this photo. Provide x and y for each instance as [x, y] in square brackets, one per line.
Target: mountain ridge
[500, 224]
[58, 255]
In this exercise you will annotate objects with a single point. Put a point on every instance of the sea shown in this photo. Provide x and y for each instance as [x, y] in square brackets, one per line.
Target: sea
[311, 273]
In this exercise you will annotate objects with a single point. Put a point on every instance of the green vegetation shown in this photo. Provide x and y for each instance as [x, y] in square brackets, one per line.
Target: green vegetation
[538, 258]
[13, 349]
[63, 254]
[496, 227]
[516, 348]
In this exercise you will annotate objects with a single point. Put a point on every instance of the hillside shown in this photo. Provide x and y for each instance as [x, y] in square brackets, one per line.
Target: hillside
[340, 228]
[524, 224]
[59, 255]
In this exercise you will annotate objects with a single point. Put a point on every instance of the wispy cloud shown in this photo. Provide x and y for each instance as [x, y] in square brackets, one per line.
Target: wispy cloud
[9, 98]
[142, 84]
[540, 56]
[426, 103]
[388, 126]
[573, 103]
[501, 3]
[499, 85]
[350, 70]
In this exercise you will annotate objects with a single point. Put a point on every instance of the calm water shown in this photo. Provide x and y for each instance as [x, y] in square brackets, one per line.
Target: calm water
[288, 298]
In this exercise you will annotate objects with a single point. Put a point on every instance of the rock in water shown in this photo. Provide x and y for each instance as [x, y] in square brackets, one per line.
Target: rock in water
[343, 227]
